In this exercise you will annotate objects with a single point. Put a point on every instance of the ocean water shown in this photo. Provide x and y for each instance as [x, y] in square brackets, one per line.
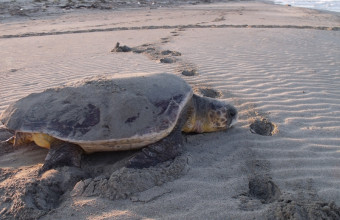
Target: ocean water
[329, 5]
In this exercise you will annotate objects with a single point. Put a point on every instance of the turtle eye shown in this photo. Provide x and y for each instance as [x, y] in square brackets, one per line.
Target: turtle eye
[232, 112]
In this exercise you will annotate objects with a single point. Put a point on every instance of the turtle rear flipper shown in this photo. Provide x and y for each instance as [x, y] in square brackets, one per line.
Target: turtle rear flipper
[62, 154]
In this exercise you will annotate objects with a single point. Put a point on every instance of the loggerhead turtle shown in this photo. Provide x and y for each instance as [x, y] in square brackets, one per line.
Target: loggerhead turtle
[113, 114]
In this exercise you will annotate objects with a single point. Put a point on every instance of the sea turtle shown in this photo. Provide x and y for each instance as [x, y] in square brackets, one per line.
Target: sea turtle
[113, 114]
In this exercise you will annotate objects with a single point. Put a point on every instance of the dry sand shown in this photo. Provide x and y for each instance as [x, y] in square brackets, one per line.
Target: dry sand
[278, 65]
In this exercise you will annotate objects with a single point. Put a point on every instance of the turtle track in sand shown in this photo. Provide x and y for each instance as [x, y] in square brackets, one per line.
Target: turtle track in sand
[264, 193]
[154, 52]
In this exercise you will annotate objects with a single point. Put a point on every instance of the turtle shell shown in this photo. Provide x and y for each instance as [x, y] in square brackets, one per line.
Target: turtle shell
[104, 113]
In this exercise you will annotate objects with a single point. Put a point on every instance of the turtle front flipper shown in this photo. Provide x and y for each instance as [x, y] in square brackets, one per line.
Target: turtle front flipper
[161, 151]
[166, 149]
[62, 154]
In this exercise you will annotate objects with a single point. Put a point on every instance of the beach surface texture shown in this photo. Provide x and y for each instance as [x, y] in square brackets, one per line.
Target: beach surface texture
[278, 65]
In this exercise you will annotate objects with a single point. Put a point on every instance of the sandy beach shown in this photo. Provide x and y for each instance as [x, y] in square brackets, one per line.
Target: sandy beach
[278, 65]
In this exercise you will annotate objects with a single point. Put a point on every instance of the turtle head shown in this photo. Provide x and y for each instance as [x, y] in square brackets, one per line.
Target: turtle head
[209, 115]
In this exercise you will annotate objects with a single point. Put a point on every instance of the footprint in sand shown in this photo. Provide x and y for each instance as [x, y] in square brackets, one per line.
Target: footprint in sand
[165, 56]
[189, 72]
[119, 48]
[171, 53]
[208, 92]
[167, 60]
[174, 33]
[263, 127]
[165, 40]
[264, 189]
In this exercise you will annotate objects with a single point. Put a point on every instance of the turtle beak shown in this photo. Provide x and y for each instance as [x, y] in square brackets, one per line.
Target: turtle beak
[233, 115]
[234, 121]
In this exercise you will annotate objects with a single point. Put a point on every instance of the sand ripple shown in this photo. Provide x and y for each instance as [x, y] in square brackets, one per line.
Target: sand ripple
[278, 74]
